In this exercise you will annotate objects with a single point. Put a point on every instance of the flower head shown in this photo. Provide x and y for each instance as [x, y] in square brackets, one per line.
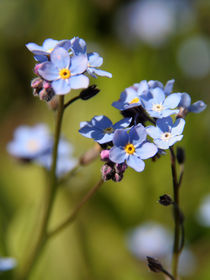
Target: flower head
[65, 72]
[132, 147]
[166, 133]
[128, 99]
[101, 129]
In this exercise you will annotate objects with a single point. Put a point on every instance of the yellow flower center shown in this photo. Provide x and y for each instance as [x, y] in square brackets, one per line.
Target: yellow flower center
[32, 145]
[64, 73]
[108, 130]
[50, 50]
[135, 100]
[166, 136]
[157, 107]
[129, 149]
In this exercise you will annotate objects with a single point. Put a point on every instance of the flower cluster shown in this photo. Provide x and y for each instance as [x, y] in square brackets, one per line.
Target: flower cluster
[62, 66]
[36, 144]
[129, 141]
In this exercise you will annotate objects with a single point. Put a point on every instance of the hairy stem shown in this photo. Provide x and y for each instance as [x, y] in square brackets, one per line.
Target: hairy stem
[36, 250]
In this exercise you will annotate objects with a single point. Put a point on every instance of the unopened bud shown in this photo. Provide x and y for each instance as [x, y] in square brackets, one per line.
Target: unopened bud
[90, 155]
[37, 83]
[120, 167]
[180, 155]
[154, 265]
[165, 200]
[182, 113]
[89, 92]
[117, 177]
[104, 155]
[36, 68]
[107, 172]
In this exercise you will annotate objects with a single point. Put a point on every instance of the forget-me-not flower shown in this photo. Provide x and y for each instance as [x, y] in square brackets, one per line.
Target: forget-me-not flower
[7, 263]
[30, 142]
[158, 105]
[42, 52]
[95, 61]
[185, 103]
[132, 147]
[166, 133]
[101, 129]
[128, 99]
[65, 72]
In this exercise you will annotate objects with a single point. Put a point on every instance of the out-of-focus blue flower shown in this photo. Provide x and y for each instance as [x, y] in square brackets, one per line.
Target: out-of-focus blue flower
[132, 147]
[128, 99]
[101, 129]
[30, 142]
[166, 134]
[65, 161]
[7, 263]
[42, 52]
[65, 72]
[158, 105]
[149, 239]
[95, 61]
[203, 213]
[185, 103]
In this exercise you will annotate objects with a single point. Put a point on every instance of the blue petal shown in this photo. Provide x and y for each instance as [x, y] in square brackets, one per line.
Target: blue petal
[120, 138]
[142, 87]
[136, 163]
[185, 100]
[49, 44]
[155, 84]
[41, 58]
[169, 87]
[66, 44]
[158, 95]
[162, 144]
[168, 112]
[48, 71]
[175, 139]
[105, 138]
[178, 127]
[137, 134]
[146, 150]
[153, 131]
[121, 102]
[61, 86]
[78, 46]
[117, 155]
[86, 130]
[197, 107]
[165, 124]
[172, 101]
[122, 123]
[101, 121]
[100, 72]
[7, 264]
[79, 81]
[33, 47]
[60, 58]
[79, 64]
[94, 60]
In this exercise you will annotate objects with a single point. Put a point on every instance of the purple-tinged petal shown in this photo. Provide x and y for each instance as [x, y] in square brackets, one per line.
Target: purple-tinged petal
[120, 138]
[66, 44]
[161, 144]
[86, 130]
[136, 163]
[117, 154]
[172, 101]
[61, 86]
[41, 58]
[197, 107]
[146, 150]
[79, 64]
[94, 59]
[153, 131]
[49, 44]
[137, 134]
[78, 46]
[100, 72]
[169, 87]
[60, 58]
[33, 47]
[158, 95]
[101, 121]
[185, 100]
[122, 123]
[168, 112]
[165, 124]
[79, 81]
[175, 139]
[178, 127]
[155, 84]
[142, 87]
[105, 138]
[48, 71]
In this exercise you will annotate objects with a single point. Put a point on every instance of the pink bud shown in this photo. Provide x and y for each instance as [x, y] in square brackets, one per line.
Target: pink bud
[104, 155]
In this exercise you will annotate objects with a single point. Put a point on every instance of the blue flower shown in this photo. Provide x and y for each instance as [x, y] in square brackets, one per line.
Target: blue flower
[42, 52]
[65, 72]
[78, 46]
[158, 105]
[185, 103]
[128, 99]
[30, 142]
[95, 61]
[65, 161]
[101, 129]
[132, 147]
[166, 134]
[7, 264]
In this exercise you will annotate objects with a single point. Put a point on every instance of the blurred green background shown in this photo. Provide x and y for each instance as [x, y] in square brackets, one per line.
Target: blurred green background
[135, 46]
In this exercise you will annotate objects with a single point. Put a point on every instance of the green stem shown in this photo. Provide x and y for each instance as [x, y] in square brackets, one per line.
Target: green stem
[176, 249]
[76, 210]
[48, 203]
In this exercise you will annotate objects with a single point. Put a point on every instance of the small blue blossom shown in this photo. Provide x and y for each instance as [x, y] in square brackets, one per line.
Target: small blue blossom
[101, 129]
[166, 134]
[185, 103]
[158, 105]
[42, 52]
[65, 161]
[95, 61]
[78, 46]
[7, 264]
[30, 142]
[65, 72]
[128, 99]
[132, 147]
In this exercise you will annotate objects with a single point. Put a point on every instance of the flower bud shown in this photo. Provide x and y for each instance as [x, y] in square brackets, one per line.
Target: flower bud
[107, 172]
[104, 155]
[117, 177]
[36, 68]
[165, 200]
[89, 92]
[120, 167]
[180, 155]
[154, 265]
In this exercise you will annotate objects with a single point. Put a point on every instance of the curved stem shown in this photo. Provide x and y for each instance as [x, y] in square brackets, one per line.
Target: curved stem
[48, 203]
[76, 210]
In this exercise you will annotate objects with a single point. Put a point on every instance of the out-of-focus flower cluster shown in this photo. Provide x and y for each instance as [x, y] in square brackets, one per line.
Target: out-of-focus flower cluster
[35, 144]
[129, 141]
[62, 66]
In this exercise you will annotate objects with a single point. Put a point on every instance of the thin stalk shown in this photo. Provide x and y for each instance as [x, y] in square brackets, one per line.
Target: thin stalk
[76, 210]
[176, 248]
[71, 101]
[48, 203]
